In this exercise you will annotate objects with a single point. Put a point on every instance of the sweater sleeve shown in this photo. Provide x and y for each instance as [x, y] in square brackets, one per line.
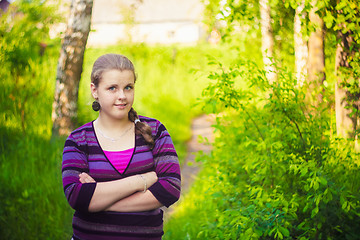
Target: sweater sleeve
[75, 162]
[167, 189]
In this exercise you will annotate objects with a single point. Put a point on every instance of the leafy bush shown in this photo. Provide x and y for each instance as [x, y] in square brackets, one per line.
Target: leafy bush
[276, 171]
[24, 36]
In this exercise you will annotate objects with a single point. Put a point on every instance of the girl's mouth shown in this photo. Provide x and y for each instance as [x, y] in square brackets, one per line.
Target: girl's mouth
[121, 106]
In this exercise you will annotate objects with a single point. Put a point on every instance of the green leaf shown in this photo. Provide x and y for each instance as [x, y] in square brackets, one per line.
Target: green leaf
[351, 26]
[328, 19]
[341, 5]
[344, 205]
[279, 235]
[304, 171]
[314, 212]
[316, 185]
[323, 181]
[284, 231]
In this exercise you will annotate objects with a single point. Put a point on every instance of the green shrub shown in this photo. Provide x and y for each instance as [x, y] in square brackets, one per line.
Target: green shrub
[276, 171]
[23, 30]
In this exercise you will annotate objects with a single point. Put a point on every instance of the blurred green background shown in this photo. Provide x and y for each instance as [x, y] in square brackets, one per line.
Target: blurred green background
[277, 170]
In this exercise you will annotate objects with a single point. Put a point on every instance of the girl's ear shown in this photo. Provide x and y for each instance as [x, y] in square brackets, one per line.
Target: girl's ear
[93, 90]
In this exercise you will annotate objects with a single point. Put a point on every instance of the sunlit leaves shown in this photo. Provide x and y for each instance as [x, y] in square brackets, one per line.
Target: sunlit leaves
[288, 175]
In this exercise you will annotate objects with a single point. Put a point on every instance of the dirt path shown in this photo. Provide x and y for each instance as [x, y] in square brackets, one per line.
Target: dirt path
[201, 126]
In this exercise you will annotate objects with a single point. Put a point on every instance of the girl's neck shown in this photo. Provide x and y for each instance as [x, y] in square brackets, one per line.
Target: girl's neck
[112, 125]
[115, 135]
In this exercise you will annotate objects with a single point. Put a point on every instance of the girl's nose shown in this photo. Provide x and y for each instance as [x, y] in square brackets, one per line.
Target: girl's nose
[121, 94]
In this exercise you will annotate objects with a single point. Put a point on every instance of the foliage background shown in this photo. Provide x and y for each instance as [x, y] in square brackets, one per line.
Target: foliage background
[290, 177]
[277, 170]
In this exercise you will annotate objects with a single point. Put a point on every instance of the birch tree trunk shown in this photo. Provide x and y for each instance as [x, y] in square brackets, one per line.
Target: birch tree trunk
[345, 124]
[267, 47]
[316, 60]
[300, 45]
[69, 69]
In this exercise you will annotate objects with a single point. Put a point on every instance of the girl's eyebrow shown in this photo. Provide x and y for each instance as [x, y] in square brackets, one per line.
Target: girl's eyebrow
[111, 84]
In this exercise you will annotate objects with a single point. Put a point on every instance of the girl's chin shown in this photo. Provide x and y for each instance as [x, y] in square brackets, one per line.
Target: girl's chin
[118, 116]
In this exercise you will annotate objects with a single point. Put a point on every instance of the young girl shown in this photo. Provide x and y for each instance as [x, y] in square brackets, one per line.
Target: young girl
[120, 169]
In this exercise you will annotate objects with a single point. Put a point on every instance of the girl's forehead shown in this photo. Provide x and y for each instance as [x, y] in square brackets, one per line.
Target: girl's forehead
[118, 76]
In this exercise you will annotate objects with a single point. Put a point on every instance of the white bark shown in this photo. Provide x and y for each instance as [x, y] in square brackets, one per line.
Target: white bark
[69, 67]
[300, 45]
[267, 47]
[346, 125]
[316, 60]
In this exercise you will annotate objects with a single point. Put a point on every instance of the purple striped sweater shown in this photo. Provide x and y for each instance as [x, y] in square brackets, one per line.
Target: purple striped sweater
[82, 153]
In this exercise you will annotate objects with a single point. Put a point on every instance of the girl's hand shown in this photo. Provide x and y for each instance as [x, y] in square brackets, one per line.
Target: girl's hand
[150, 177]
[85, 178]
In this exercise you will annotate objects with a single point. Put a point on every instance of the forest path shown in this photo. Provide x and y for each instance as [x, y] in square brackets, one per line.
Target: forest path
[201, 126]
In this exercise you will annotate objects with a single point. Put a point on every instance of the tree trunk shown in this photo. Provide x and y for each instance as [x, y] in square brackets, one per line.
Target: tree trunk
[345, 123]
[267, 47]
[69, 69]
[316, 60]
[300, 45]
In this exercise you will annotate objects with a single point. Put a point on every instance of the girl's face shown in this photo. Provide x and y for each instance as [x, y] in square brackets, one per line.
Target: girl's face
[115, 93]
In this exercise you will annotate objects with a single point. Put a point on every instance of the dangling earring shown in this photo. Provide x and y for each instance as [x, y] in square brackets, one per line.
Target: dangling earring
[96, 106]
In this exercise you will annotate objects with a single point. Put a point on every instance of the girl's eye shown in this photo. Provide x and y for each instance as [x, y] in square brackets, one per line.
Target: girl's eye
[111, 88]
[128, 87]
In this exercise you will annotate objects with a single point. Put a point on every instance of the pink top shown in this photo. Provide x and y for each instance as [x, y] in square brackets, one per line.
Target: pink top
[120, 159]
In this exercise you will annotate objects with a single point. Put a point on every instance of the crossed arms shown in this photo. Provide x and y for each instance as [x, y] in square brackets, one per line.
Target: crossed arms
[124, 195]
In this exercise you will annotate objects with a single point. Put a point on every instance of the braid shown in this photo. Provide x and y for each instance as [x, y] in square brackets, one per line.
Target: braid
[141, 128]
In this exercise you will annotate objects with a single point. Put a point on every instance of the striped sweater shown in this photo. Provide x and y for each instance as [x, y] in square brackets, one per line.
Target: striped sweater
[82, 153]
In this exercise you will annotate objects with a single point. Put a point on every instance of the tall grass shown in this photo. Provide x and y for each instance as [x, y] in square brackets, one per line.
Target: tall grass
[32, 201]
[33, 206]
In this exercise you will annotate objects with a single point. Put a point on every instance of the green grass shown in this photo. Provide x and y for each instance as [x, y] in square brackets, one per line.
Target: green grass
[33, 205]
